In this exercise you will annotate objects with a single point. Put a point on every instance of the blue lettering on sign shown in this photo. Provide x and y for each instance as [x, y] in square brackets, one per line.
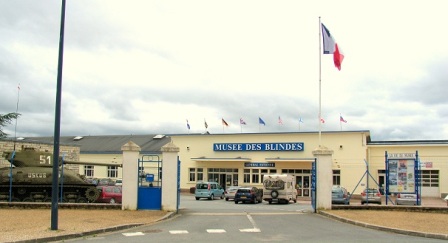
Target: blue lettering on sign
[259, 164]
[258, 146]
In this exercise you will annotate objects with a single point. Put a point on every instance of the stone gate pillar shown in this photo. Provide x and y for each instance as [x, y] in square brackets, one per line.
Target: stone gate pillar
[169, 177]
[131, 153]
[324, 177]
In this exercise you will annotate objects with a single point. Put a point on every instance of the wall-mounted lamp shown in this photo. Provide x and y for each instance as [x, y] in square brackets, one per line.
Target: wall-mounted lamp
[188, 148]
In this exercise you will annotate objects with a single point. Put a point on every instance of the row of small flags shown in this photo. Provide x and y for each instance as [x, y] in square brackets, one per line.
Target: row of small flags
[330, 46]
[261, 122]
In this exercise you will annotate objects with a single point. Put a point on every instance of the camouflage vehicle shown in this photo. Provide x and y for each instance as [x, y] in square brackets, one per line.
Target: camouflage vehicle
[32, 177]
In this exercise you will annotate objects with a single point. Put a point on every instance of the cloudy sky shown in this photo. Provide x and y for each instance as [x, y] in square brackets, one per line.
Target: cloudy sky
[145, 67]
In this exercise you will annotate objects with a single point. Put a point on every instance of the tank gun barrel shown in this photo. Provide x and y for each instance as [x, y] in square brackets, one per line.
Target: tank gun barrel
[91, 163]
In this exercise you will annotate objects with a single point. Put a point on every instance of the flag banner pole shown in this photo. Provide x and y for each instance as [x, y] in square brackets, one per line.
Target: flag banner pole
[320, 84]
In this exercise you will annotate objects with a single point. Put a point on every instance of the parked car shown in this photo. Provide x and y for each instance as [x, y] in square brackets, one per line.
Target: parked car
[230, 192]
[340, 195]
[371, 195]
[406, 199]
[106, 182]
[118, 182]
[209, 190]
[92, 181]
[249, 194]
[109, 194]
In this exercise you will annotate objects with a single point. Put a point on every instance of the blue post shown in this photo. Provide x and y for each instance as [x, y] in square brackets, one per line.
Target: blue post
[417, 170]
[178, 185]
[386, 165]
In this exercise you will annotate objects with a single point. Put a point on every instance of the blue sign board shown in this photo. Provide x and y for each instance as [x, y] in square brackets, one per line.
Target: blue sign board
[297, 146]
[149, 177]
[259, 164]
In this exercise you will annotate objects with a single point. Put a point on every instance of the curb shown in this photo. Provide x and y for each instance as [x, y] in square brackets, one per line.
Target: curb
[93, 232]
[377, 227]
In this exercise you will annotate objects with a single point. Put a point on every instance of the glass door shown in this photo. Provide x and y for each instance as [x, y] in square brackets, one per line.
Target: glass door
[303, 185]
[299, 185]
[306, 185]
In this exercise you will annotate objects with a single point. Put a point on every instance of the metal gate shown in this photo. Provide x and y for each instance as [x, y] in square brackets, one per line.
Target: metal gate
[149, 183]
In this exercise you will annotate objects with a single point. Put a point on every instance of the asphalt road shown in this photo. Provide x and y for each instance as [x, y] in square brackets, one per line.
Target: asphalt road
[221, 221]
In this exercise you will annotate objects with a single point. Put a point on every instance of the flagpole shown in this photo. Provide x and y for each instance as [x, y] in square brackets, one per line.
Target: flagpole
[320, 84]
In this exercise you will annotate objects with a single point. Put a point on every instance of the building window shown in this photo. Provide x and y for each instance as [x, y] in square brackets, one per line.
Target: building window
[430, 178]
[192, 174]
[246, 176]
[336, 177]
[196, 174]
[254, 176]
[88, 170]
[112, 171]
[295, 171]
[200, 174]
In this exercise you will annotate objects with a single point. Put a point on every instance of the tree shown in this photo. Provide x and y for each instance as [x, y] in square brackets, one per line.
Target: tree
[6, 119]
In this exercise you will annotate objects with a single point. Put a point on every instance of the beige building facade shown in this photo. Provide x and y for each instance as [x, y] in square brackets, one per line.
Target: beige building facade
[357, 162]
[243, 158]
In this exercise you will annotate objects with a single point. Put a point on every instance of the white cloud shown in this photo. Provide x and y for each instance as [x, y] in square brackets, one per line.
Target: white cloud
[133, 67]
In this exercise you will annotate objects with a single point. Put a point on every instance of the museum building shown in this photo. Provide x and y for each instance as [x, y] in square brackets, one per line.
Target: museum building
[243, 158]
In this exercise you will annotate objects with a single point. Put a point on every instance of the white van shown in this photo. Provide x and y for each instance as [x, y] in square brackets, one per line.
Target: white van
[279, 188]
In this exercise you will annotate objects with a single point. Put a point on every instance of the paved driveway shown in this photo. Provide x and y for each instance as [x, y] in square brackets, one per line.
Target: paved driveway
[224, 221]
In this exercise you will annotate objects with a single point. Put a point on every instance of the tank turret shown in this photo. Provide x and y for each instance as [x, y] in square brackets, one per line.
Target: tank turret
[32, 177]
[30, 158]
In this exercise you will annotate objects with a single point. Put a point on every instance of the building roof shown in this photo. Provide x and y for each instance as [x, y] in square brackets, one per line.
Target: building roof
[152, 143]
[107, 144]
[409, 142]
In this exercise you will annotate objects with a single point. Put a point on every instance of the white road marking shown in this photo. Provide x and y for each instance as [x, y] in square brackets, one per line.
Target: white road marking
[252, 221]
[133, 234]
[254, 230]
[216, 231]
[174, 232]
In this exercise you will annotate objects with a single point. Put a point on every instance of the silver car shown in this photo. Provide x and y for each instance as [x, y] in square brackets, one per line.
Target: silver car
[230, 192]
[371, 195]
[340, 195]
[406, 199]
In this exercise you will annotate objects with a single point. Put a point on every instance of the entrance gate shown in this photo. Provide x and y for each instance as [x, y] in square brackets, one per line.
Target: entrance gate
[149, 183]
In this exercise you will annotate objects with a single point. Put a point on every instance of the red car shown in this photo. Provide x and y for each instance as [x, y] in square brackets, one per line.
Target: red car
[109, 194]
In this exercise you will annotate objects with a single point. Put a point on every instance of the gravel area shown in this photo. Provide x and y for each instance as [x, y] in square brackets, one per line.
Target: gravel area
[26, 224]
[436, 223]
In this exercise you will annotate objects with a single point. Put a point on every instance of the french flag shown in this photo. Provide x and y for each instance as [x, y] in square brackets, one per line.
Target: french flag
[331, 47]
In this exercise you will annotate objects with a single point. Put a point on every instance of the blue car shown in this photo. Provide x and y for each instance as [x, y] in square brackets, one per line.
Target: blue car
[249, 194]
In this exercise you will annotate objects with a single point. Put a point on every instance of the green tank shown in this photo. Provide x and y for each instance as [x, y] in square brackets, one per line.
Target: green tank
[32, 179]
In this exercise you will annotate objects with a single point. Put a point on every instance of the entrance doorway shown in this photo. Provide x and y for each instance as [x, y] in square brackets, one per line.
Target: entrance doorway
[381, 182]
[303, 185]
[225, 177]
